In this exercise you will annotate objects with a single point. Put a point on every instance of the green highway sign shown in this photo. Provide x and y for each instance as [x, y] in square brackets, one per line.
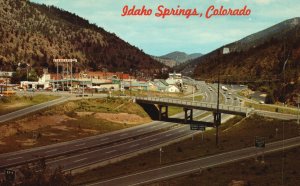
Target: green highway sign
[260, 142]
[10, 175]
[197, 127]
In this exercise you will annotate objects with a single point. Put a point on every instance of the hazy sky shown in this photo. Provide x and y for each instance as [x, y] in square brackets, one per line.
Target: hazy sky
[159, 36]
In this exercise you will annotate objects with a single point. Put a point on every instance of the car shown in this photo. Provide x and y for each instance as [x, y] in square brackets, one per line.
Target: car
[235, 98]
[228, 98]
[261, 102]
[229, 93]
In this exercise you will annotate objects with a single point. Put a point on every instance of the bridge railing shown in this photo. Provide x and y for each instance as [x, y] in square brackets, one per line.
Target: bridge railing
[196, 103]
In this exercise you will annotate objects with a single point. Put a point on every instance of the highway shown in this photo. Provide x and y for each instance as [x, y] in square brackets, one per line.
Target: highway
[140, 134]
[103, 154]
[28, 110]
[75, 146]
[34, 108]
[196, 165]
[276, 115]
[96, 150]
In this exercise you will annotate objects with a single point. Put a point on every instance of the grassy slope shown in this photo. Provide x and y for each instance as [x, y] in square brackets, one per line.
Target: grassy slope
[250, 171]
[76, 127]
[11, 104]
[231, 137]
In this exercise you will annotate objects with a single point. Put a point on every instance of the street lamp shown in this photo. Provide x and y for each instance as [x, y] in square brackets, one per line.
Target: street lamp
[193, 90]
[283, 148]
[298, 102]
[217, 115]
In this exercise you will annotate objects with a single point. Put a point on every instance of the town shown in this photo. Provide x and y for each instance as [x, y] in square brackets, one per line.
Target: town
[90, 82]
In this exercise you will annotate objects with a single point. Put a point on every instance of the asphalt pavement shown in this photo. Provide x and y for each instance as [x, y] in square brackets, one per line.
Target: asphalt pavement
[31, 109]
[196, 165]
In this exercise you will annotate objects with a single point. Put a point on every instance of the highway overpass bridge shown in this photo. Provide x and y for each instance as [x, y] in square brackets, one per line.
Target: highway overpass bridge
[188, 107]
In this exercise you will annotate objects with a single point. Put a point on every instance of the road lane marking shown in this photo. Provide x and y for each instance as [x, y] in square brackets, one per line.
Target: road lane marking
[168, 135]
[181, 130]
[108, 152]
[75, 161]
[104, 139]
[153, 139]
[10, 159]
[191, 170]
[140, 130]
[125, 134]
[81, 144]
[53, 150]
[134, 145]
[118, 145]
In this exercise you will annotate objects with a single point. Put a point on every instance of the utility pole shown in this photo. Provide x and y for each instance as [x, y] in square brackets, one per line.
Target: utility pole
[71, 77]
[193, 92]
[160, 154]
[298, 102]
[283, 145]
[56, 76]
[83, 89]
[218, 115]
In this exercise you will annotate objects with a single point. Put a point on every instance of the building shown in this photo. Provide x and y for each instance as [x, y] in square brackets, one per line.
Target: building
[43, 82]
[135, 85]
[161, 85]
[175, 79]
[5, 77]
[173, 89]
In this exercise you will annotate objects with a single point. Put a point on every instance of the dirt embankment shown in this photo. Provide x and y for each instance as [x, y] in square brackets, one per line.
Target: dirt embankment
[121, 118]
[52, 126]
[69, 121]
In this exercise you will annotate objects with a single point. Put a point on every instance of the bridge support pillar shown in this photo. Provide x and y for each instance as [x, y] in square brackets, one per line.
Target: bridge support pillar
[217, 119]
[217, 123]
[188, 117]
[163, 114]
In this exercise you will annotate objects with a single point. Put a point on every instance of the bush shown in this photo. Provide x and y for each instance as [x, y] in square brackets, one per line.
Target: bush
[5, 100]
[270, 98]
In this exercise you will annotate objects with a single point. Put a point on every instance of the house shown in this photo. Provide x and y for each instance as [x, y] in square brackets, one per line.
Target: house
[161, 85]
[175, 79]
[135, 85]
[152, 86]
[42, 83]
[172, 88]
[5, 77]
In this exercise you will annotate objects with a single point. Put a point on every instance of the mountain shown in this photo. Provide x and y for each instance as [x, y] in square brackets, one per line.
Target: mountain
[168, 62]
[180, 57]
[176, 58]
[258, 60]
[35, 34]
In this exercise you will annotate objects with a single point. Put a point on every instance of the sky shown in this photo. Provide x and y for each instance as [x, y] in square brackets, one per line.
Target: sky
[157, 36]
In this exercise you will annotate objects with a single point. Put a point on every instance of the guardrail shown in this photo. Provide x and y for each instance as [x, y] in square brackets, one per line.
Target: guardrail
[196, 104]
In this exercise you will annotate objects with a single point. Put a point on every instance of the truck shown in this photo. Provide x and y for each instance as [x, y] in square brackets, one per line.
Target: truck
[224, 88]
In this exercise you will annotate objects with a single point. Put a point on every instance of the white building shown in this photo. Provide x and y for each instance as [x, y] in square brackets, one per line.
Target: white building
[175, 79]
[172, 88]
[43, 82]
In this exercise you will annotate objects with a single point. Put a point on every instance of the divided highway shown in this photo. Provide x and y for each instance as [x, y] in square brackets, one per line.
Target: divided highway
[99, 143]
[28, 110]
[195, 165]
[73, 155]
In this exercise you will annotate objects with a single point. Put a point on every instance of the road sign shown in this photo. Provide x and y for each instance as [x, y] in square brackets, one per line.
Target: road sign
[260, 142]
[197, 127]
[10, 175]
